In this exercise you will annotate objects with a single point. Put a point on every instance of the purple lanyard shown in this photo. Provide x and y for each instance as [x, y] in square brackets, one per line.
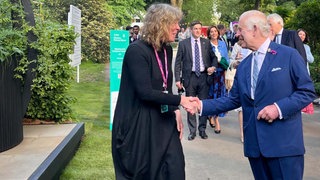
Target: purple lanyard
[164, 76]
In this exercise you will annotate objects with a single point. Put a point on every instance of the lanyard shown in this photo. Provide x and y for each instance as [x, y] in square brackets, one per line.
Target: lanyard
[164, 76]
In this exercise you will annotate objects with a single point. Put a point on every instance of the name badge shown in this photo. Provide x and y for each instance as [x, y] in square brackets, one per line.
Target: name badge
[164, 108]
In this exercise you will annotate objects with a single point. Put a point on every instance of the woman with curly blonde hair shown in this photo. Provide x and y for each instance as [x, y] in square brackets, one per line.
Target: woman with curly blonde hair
[147, 125]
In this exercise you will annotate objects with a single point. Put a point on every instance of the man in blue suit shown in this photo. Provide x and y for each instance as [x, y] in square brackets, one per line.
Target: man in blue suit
[271, 99]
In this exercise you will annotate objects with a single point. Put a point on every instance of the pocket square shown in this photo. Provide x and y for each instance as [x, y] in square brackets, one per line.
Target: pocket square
[275, 69]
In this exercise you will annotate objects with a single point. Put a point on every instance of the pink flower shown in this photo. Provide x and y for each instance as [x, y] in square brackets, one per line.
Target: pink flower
[273, 52]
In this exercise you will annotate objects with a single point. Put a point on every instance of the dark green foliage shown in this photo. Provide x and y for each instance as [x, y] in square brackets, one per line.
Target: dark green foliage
[96, 25]
[13, 36]
[296, 2]
[286, 11]
[97, 20]
[317, 87]
[124, 11]
[58, 9]
[198, 10]
[315, 67]
[13, 40]
[307, 18]
[49, 99]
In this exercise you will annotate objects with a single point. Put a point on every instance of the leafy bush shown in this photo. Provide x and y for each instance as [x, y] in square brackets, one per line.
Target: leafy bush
[50, 100]
[96, 25]
[315, 68]
[307, 18]
[317, 87]
[13, 39]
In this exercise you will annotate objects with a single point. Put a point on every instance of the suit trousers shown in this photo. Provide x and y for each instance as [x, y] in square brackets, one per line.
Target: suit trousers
[197, 87]
[281, 168]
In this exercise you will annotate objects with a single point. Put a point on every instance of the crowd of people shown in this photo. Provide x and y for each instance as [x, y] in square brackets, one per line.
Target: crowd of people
[271, 86]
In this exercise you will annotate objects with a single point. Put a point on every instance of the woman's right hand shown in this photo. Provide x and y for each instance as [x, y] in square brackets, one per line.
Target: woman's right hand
[190, 104]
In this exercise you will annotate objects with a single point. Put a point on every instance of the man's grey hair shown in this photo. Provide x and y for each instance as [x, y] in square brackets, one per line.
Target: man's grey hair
[276, 18]
[258, 19]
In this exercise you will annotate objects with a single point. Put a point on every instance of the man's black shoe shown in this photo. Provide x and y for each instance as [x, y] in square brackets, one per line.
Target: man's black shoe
[203, 135]
[191, 136]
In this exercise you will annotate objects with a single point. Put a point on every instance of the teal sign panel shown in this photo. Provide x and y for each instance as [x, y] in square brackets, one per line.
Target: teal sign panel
[119, 41]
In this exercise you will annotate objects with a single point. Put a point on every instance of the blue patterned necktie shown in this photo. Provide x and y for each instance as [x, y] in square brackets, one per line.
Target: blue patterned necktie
[255, 71]
[197, 58]
[278, 39]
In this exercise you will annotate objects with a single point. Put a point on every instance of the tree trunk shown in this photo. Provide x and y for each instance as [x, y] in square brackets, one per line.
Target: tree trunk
[177, 3]
[257, 4]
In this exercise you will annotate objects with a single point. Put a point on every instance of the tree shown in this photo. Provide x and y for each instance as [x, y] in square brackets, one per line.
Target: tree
[263, 6]
[286, 11]
[296, 2]
[229, 14]
[97, 20]
[177, 3]
[201, 10]
[307, 17]
[57, 9]
[124, 11]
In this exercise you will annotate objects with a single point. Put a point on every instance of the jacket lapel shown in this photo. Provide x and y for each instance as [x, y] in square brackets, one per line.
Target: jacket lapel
[248, 75]
[267, 64]
[203, 50]
[284, 36]
[189, 49]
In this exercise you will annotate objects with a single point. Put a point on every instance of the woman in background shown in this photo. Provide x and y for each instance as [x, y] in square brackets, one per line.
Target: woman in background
[147, 125]
[305, 39]
[217, 89]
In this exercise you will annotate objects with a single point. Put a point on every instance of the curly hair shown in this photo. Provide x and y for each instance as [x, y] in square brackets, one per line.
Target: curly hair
[157, 22]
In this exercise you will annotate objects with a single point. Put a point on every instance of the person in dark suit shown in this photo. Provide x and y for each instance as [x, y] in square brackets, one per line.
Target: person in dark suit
[130, 30]
[222, 32]
[234, 38]
[135, 34]
[147, 125]
[194, 68]
[284, 36]
[272, 88]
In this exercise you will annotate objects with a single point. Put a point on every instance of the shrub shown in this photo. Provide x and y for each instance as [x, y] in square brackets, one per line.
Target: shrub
[96, 25]
[317, 88]
[13, 36]
[50, 100]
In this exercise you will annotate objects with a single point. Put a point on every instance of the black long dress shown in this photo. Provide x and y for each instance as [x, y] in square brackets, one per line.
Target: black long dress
[145, 142]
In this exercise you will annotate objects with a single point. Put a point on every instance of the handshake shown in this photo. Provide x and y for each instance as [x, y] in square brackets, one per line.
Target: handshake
[191, 104]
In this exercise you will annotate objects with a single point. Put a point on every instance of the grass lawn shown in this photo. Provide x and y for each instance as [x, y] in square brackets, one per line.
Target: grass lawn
[93, 160]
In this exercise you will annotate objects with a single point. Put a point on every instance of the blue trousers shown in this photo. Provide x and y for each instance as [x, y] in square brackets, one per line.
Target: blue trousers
[281, 168]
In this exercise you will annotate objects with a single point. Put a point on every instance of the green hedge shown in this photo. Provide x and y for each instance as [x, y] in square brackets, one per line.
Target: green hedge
[50, 100]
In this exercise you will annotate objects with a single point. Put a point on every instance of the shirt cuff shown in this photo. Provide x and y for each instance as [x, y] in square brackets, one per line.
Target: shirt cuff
[200, 111]
[279, 111]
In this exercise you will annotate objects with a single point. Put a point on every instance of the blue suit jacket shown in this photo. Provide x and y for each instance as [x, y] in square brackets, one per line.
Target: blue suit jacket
[283, 79]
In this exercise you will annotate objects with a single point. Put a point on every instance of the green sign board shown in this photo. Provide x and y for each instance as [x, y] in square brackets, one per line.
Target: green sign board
[119, 41]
